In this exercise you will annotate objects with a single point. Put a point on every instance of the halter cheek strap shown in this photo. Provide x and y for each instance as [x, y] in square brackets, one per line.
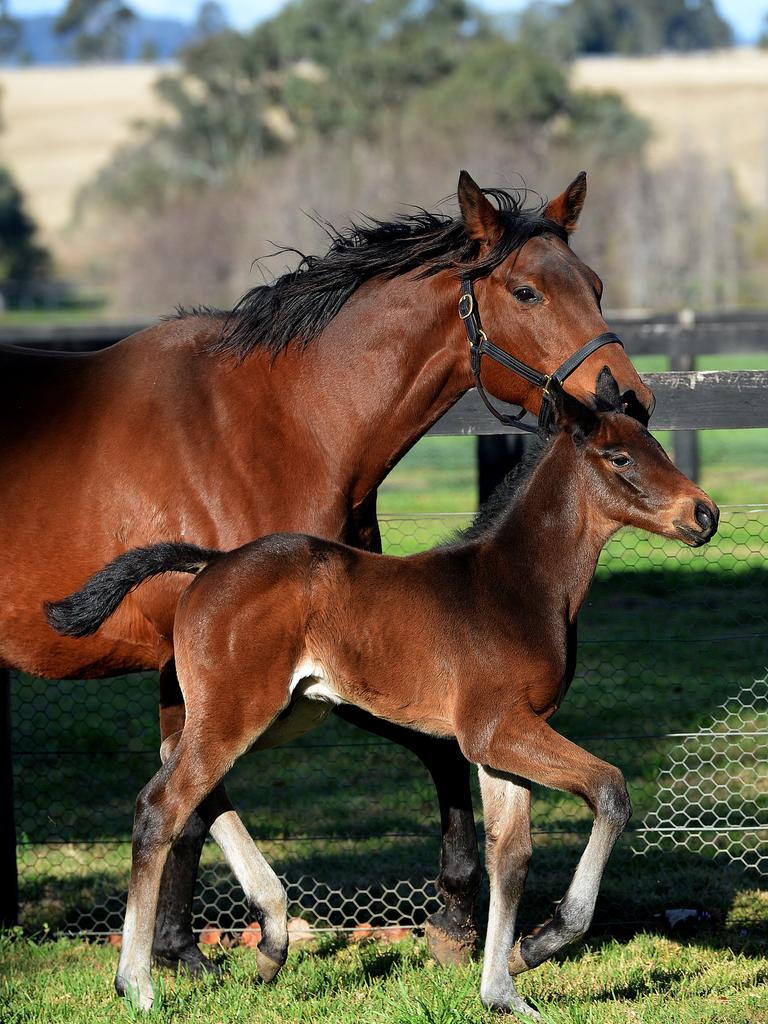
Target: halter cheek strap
[480, 346]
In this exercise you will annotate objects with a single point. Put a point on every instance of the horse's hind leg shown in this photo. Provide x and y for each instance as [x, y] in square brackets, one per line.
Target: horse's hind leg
[174, 941]
[507, 811]
[451, 932]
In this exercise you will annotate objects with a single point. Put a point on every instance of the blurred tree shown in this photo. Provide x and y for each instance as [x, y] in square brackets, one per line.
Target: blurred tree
[95, 27]
[10, 31]
[22, 259]
[148, 51]
[762, 39]
[210, 20]
[343, 70]
[625, 26]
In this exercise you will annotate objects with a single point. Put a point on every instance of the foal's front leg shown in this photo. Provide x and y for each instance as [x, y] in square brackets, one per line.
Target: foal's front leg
[507, 811]
[525, 745]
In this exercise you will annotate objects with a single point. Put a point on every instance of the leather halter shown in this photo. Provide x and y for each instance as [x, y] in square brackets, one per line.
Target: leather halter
[480, 346]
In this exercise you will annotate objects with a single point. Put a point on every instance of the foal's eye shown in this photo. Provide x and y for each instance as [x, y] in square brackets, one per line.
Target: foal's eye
[620, 461]
[526, 295]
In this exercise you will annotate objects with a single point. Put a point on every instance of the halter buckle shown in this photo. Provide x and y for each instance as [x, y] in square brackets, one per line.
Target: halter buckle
[545, 385]
[466, 305]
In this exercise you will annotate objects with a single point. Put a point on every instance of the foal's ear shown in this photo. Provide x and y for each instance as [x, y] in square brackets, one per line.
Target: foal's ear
[565, 208]
[607, 392]
[481, 218]
[570, 414]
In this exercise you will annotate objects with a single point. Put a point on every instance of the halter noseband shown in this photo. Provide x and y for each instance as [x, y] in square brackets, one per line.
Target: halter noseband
[480, 346]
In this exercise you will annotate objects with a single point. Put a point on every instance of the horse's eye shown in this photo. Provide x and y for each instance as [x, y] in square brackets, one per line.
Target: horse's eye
[526, 295]
[620, 461]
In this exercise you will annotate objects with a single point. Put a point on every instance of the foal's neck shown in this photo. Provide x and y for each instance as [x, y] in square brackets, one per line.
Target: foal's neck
[551, 537]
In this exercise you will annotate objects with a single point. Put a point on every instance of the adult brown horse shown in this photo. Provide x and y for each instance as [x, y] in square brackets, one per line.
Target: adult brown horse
[476, 640]
[284, 415]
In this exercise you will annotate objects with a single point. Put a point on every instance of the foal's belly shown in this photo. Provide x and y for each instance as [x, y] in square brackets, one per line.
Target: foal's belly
[312, 700]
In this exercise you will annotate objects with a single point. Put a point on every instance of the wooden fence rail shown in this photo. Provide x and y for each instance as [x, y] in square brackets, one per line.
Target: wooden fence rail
[697, 400]
[687, 401]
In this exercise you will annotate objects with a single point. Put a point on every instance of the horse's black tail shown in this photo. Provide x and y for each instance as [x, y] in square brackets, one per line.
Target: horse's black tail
[83, 612]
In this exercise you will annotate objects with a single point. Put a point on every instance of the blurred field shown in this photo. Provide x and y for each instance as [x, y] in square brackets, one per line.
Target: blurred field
[62, 124]
[714, 104]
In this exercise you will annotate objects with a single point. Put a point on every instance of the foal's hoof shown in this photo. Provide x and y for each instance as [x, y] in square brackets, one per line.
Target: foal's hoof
[450, 949]
[516, 963]
[519, 1005]
[515, 1004]
[136, 988]
[190, 960]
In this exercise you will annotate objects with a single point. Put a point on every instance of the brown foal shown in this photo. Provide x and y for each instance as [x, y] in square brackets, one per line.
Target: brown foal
[475, 640]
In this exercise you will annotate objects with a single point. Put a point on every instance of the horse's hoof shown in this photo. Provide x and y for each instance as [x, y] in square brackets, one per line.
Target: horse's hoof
[516, 963]
[268, 967]
[190, 960]
[450, 949]
[136, 989]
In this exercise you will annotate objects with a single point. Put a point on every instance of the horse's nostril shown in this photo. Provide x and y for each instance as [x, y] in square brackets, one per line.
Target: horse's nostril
[704, 516]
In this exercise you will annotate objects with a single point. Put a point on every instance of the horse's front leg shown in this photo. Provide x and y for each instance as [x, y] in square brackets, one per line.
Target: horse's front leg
[451, 932]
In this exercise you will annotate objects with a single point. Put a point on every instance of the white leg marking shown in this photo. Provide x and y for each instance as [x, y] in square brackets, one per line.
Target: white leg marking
[506, 806]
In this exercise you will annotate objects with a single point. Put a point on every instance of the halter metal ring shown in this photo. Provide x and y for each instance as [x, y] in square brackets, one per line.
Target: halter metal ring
[466, 305]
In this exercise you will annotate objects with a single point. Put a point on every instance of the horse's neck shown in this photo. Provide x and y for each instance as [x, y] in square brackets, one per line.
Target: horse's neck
[551, 537]
[388, 366]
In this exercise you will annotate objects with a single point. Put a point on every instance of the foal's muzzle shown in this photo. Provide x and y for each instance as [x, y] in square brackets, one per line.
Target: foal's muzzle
[706, 517]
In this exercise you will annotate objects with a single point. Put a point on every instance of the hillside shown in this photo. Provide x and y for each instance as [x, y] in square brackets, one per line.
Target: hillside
[61, 124]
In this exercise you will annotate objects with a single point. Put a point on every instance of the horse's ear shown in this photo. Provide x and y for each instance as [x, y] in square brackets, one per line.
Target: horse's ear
[481, 218]
[565, 208]
[607, 392]
[570, 414]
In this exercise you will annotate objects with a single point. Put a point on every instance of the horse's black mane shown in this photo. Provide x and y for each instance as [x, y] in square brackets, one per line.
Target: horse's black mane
[299, 305]
[489, 513]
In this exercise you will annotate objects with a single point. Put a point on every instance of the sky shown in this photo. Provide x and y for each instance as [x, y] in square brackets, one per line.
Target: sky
[744, 15]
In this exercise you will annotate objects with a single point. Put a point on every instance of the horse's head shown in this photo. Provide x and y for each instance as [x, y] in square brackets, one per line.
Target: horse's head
[538, 301]
[627, 479]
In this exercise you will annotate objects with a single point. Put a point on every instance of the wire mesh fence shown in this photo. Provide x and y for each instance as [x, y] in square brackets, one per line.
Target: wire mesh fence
[671, 686]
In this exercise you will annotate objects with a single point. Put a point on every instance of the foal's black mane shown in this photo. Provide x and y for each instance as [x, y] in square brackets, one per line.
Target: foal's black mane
[299, 305]
[491, 511]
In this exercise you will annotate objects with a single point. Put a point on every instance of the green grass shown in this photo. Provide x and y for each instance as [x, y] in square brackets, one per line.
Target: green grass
[650, 979]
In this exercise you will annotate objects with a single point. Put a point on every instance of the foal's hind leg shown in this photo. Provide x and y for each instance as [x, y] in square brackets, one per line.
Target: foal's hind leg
[162, 810]
[205, 753]
[507, 810]
[174, 942]
[262, 888]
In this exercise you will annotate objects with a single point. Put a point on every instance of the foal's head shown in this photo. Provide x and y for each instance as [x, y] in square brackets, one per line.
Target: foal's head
[626, 478]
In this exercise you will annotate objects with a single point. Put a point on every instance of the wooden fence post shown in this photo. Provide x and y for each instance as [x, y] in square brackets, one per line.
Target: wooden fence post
[685, 442]
[9, 880]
